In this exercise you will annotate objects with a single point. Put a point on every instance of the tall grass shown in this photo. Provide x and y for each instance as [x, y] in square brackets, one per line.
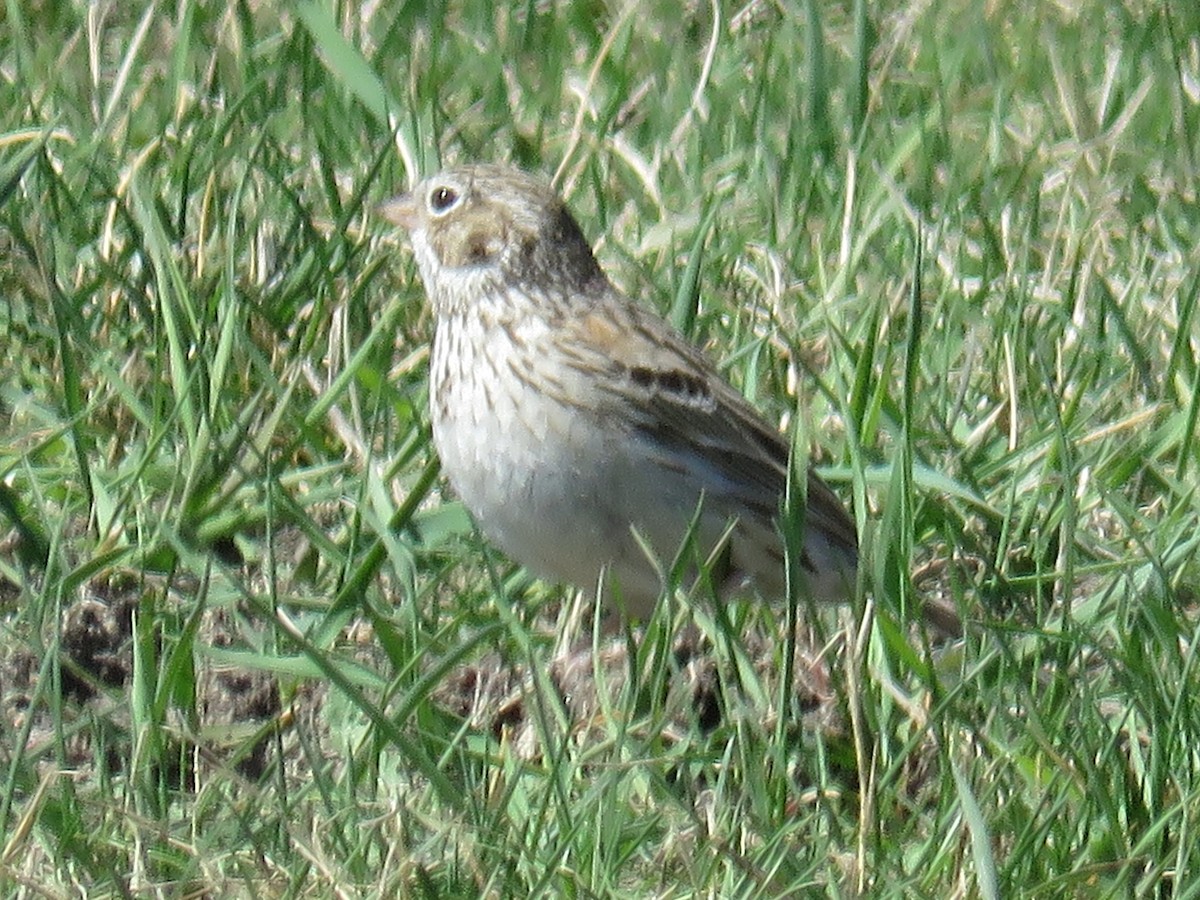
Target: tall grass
[953, 244]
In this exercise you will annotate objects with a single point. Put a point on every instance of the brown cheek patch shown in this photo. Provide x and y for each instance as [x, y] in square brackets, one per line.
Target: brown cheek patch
[528, 249]
[471, 239]
[480, 247]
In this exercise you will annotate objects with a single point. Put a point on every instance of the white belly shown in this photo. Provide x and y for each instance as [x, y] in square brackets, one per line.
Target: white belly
[553, 483]
[536, 475]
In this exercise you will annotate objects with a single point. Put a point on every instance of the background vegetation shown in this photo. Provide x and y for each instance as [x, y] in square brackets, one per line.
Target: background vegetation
[960, 238]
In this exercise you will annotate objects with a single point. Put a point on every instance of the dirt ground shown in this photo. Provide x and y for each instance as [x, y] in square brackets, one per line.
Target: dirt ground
[239, 712]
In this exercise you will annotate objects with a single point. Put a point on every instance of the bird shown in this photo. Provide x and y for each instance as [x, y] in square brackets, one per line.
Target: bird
[588, 439]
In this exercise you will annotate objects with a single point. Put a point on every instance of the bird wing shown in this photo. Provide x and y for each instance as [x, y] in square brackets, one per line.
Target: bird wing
[675, 400]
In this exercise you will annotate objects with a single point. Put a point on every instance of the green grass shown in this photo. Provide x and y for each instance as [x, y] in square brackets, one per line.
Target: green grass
[955, 242]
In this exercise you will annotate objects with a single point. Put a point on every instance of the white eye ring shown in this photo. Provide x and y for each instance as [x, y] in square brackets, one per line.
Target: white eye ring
[442, 199]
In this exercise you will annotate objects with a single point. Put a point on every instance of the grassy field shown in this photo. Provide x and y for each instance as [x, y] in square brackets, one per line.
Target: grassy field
[251, 646]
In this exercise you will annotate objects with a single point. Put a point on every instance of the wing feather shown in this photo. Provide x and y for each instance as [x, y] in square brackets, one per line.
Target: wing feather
[675, 401]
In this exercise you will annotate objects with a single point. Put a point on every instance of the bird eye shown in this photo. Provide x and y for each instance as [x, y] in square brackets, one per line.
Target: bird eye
[442, 198]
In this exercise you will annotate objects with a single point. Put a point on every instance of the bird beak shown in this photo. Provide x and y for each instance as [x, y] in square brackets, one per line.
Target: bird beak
[400, 210]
